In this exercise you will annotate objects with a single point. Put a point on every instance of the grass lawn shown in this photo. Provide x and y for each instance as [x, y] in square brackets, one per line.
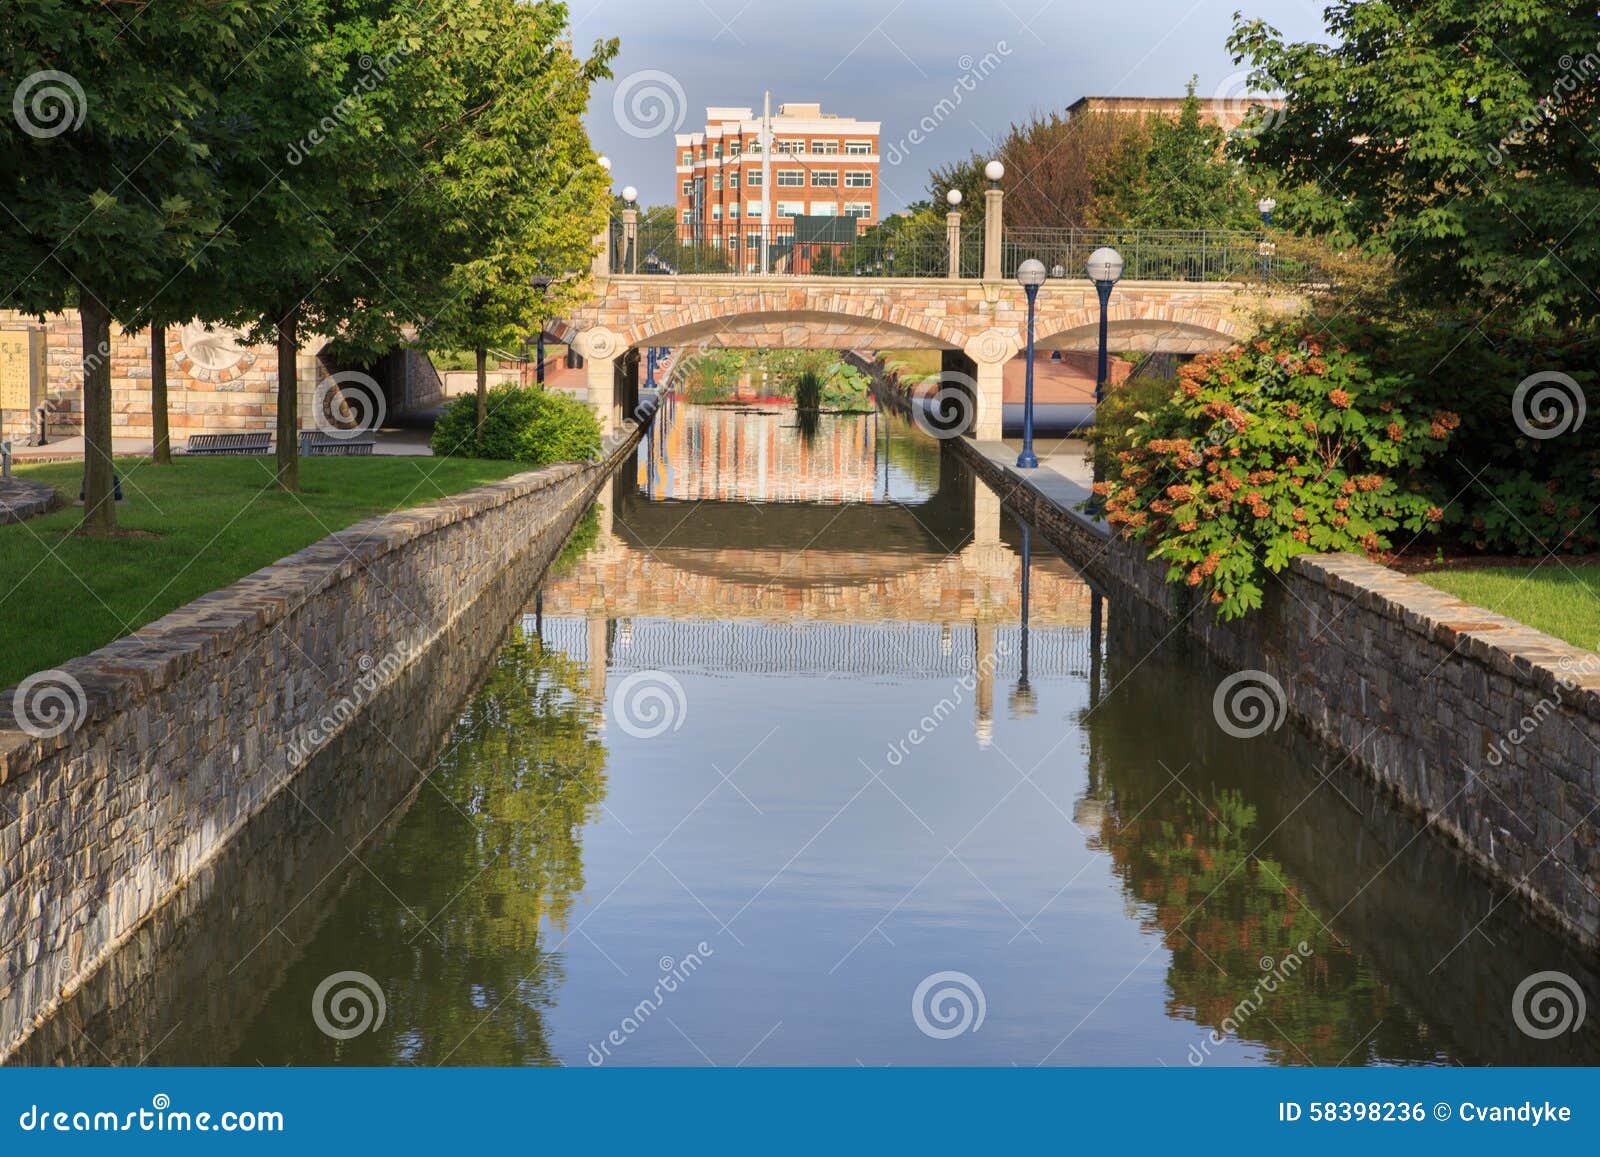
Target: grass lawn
[1563, 601]
[216, 520]
[914, 365]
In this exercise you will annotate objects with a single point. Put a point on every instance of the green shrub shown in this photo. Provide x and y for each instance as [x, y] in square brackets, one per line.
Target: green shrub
[1118, 418]
[1269, 451]
[522, 425]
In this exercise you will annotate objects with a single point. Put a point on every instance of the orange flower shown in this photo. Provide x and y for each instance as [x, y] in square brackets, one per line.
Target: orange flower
[1339, 398]
[1397, 432]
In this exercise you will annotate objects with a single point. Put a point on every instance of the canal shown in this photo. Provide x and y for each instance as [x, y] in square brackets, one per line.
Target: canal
[770, 771]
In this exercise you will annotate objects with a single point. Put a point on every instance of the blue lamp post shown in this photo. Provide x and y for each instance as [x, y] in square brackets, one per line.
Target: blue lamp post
[650, 368]
[1030, 275]
[1105, 270]
[1266, 205]
[542, 284]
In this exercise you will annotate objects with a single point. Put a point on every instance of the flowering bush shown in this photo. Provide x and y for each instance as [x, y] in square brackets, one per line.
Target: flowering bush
[1270, 450]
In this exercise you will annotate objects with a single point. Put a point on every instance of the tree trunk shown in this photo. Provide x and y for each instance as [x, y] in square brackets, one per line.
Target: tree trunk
[288, 324]
[99, 501]
[483, 389]
[159, 433]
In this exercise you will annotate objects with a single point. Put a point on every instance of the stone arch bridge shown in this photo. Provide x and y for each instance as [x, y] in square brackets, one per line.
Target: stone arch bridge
[978, 325]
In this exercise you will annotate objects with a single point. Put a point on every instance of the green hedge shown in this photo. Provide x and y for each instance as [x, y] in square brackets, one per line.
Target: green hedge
[522, 425]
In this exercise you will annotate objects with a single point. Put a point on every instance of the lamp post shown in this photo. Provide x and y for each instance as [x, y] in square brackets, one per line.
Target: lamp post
[1105, 270]
[542, 283]
[1030, 275]
[630, 228]
[1266, 205]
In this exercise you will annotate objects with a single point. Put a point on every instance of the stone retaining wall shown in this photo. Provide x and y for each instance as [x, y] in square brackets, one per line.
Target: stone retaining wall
[189, 727]
[1486, 728]
[21, 499]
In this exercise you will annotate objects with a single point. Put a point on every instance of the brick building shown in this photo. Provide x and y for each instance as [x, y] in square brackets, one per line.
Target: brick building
[821, 165]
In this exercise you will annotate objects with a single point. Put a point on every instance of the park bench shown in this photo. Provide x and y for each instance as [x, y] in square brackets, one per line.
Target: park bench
[251, 443]
[315, 442]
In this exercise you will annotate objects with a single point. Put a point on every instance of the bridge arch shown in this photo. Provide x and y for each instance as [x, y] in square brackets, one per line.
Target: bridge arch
[795, 319]
[1172, 329]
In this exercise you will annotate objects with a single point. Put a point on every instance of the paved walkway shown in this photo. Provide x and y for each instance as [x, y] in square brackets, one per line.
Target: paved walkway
[401, 442]
[1062, 479]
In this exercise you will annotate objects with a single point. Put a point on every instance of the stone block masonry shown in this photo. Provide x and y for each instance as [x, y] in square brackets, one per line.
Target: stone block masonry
[193, 724]
[1486, 729]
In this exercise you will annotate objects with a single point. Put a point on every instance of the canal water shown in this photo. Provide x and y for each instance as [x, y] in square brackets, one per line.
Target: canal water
[808, 752]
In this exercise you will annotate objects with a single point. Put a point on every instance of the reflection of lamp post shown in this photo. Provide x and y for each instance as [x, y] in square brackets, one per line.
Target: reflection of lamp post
[1030, 275]
[1266, 249]
[1023, 700]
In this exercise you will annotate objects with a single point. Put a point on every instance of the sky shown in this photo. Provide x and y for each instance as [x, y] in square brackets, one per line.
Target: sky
[992, 61]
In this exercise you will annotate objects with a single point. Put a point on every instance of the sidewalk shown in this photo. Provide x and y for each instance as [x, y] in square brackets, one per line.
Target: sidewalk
[394, 442]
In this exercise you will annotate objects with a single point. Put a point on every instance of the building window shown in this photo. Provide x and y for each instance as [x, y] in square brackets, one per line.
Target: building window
[824, 209]
[733, 212]
[791, 147]
[755, 146]
[753, 240]
[752, 179]
[825, 148]
[791, 208]
[688, 217]
[688, 188]
[791, 178]
[754, 208]
[860, 179]
[824, 178]
[716, 241]
[733, 180]
[858, 208]
[716, 182]
[734, 148]
[717, 152]
[733, 241]
[858, 148]
[688, 158]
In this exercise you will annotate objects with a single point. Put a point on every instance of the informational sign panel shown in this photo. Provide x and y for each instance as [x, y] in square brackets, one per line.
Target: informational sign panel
[21, 369]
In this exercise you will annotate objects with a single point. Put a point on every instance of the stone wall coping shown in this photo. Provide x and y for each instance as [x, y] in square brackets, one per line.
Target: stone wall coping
[21, 499]
[1503, 644]
[213, 625]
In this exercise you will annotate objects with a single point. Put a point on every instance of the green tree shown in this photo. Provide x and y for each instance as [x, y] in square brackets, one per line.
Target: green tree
[1173, 176]
[106, 174]
[519, 194]
[1456, 134]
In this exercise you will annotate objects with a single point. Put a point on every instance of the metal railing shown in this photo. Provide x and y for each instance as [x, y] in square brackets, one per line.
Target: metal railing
[1158, 254]
[737, 248]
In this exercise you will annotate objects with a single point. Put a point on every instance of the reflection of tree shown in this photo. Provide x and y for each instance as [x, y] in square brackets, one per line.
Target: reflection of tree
[1195, 855]
[446, 915]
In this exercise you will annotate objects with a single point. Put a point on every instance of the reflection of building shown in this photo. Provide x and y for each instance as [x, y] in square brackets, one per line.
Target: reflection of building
[753, 454]
[822, 165]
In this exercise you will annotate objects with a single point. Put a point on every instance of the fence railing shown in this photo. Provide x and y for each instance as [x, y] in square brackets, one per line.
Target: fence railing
[749, 248]
[1157, 254]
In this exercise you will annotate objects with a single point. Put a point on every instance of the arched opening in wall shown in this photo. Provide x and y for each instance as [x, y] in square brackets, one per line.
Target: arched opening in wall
[355, 393]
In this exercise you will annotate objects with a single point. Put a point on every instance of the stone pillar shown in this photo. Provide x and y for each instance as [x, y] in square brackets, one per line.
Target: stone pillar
[600, 265]
[600, 348]
[630, 239]
[952, 240]
[990, 351]
[993, 231]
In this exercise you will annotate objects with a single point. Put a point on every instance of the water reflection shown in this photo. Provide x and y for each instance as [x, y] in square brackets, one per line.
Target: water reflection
[908, 737]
